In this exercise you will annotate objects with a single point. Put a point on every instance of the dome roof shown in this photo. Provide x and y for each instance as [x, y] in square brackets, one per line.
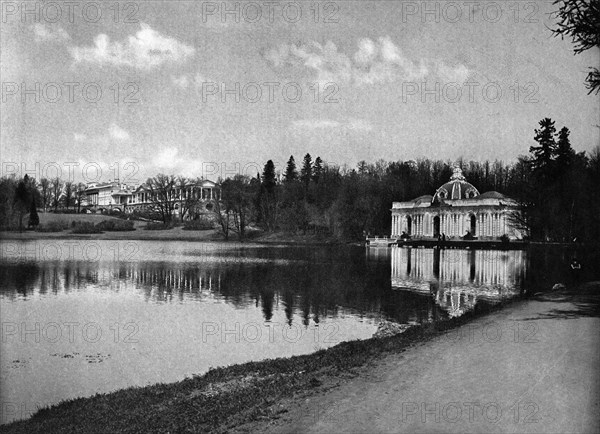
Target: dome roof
[456, 188]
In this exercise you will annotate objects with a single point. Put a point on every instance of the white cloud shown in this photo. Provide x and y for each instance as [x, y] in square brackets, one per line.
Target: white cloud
[146, 50]
[45, 33]
[373, 62]
[169, 161]
[117, 133]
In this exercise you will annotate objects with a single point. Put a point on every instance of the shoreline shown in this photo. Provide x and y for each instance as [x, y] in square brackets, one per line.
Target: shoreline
[274, 394]
[176, 234]
[231, 396]
[213, 236]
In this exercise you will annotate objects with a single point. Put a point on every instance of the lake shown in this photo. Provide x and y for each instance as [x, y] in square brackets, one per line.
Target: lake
[81, 317]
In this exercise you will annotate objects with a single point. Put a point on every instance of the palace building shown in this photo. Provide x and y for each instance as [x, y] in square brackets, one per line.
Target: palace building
[456, 210]
[116, 196]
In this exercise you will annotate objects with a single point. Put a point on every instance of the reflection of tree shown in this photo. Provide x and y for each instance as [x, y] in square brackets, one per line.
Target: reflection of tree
[19, 279]
[311, 283]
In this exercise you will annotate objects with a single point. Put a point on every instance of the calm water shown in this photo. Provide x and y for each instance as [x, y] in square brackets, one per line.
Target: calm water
[81, 317]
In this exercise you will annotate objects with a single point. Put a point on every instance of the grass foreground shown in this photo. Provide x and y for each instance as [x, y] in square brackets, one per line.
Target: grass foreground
[227, 397]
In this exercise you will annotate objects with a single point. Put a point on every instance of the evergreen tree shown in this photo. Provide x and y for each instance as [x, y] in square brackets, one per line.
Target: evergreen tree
[268, 200]
[268, 176]
[564, 151]
[306, 172]
[34, 218]
[291, 174]
[317, 169]
[543, 154]
[22, 199]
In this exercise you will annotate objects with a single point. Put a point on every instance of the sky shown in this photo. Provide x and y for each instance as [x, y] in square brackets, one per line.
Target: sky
[127, 90]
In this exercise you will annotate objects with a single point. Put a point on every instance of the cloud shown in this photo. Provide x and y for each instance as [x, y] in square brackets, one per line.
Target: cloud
[168, 160]
[375, 61]
[45, 33]
[146, 50]
[117, 133]
[348, 124]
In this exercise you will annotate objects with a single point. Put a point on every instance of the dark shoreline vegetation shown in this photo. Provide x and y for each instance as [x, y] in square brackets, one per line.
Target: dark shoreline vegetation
[555, 187]
[231, 396]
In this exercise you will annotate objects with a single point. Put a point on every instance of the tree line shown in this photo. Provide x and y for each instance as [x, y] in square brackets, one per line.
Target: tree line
[556, 187]
[19, 197]
[557, 190]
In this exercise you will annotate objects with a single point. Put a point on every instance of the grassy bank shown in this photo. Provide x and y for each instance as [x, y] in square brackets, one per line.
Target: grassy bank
[173, 234]
[227, 397]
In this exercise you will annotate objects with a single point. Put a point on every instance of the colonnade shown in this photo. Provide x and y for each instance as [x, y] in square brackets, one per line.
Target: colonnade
[485, 224]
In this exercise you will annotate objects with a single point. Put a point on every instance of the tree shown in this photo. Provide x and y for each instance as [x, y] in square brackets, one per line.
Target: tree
[45, 192]
[317, 169]
[188, 200]
[56, 192]
[564, 151]
[291, 174]
[68, 193]
[22, 200]
[223, 215]
[544, 153]
[237, 196]
[79, 194]
[306, 171]
[34, 218]
[268, 197]
[161, 189]
[580, 20]
[8, 186]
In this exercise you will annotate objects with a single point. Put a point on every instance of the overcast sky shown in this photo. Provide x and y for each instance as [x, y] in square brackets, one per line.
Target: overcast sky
[346, 81]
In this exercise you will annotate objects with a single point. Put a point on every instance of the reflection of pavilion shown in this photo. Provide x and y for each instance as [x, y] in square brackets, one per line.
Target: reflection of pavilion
[457, 278]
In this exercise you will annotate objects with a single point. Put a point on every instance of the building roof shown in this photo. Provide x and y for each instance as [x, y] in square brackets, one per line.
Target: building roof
[456, 188]
[492, 195]
[427, 198]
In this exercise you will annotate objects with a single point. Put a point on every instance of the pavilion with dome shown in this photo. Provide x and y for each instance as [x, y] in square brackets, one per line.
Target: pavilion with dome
[456, 210]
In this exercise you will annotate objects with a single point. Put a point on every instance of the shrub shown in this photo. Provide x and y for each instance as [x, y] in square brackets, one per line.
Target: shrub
[85, 228]
[201, 224]
[504, 238]
[53, 227]
[115, 225]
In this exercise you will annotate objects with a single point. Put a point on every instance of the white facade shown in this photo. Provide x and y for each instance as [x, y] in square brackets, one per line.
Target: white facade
[456, 210]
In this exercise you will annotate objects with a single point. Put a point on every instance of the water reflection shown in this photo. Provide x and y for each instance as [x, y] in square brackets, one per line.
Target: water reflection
[458, 278]
[169, 291]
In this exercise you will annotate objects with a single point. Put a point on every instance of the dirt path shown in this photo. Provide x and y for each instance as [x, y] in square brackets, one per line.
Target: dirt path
[532, 367]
